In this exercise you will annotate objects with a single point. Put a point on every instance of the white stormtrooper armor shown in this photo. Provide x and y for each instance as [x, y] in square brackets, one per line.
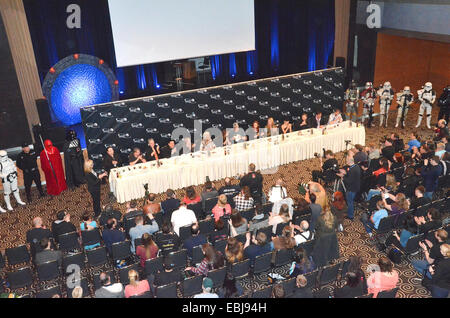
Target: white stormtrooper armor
[404, 101]
[8, 174]
[386, 94]
[427, 96]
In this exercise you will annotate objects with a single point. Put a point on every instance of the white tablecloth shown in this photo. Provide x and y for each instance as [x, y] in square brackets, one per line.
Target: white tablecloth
[127, 183]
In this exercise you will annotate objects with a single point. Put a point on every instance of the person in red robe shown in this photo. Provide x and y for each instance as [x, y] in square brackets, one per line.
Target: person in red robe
[54, 172]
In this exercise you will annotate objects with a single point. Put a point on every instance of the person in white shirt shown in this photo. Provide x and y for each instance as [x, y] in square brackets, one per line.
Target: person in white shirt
[207, 286]
[182, 217]
[335, 118]
[277, 192]
[304, 234]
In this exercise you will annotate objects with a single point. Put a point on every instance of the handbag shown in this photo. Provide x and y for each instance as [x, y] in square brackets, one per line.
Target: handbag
[395, 255]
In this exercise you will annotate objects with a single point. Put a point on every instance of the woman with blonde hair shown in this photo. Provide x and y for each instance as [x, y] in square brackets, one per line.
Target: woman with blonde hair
[440, 273]
[94, 182]
[234, 251]
[400, 205]
[326, 224]
[271, 126]
[77, 292]
[221, 208]
[136, 287]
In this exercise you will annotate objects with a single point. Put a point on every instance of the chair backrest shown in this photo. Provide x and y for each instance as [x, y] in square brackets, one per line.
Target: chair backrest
[266, 230]
[301, 218]
[220, 245]
[308, 246]
[280, 227]
[289, 286]
[217, 276]
[97, 256]
[147, 294]
[121, 250]
[388, 293]
[248, 215]
[241, 269]
[153, 266]
[159, 219]
[96, 278]
[167, 291]
[209, 205]
[267, 208]
[197, 254]
[401, 218]
[48, 271]
[49, 292]
[412, 245]
[17, 255]
[178, 258]
[262, 263]
[386, 224]
[198, 210]
[344, 268]
[241, 238]
[137, 242]
[265, 292]
[192, 286]
[21, 278]
[311, 279]
[83, 283]
[76, 259]
[69, 241]
[123, 273]
[283, 257]
[365, 296]
[90, 237]
[129, 222]
[329, 274]
[322, 293]
[206, 227]
[185, 232]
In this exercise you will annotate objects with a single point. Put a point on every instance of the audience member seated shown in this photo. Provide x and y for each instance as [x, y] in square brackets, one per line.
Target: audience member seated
[182, 217]
[353, 287]
[151, 206]
[132, 211]
[147, 250]
[419, 200]
[302, 232]
[260, 245]
[400, 205]
[385, 279]
[222, 207]
[170, 204]
[47, 254]
[302, 263]
[384, 167]
[285, 240]
[209, 192]
[228, 189]
[111, 234]
[107, 213]
[430, 222]
[167, 240]
[400, 240]
[109, 290]
[440, 150]
[339, 209]
[388, 150]
[301, 290]
[432, 253]
[243, 201]
[234, 251]
[238, 224]
[391, 185]
[88, 224]
[409, 184]
[282, 217]
[168, 275]
[207, 287]
[213, 260]
[260, 220]
[278, 291]
[221, 231]
[440, 273]
[301, 207]
[196, 239]
[277, 192]
[372, 221]
[191, 196]
[36, 234]
[397, 167]
[62, 225]
[136, 287]
[231, 287]
[360, 156]
[137, 231]
[413, 142]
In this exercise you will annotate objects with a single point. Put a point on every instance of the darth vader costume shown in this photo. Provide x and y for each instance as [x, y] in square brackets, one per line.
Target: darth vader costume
[73, 161]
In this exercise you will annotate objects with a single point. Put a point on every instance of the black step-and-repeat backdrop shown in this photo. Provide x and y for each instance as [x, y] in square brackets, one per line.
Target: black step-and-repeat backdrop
[128, 124]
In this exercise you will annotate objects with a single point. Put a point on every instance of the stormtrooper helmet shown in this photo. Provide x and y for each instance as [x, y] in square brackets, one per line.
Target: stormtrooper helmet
[428, 86]
[387, 85]
[368, 85]
[3, 156]
[406, 90]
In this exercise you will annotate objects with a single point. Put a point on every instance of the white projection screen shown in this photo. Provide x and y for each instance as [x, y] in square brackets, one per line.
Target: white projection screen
[151, 31]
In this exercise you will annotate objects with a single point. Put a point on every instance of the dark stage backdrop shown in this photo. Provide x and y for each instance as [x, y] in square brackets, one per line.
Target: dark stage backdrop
[13, 119]
[127, 124]
[291, 36]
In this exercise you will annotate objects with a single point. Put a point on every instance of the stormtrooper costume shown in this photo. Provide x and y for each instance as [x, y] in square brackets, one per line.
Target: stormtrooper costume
[368, 96]
[386, 94]
[352, 98]
[427, 96]
[8, 174]
[404, 101]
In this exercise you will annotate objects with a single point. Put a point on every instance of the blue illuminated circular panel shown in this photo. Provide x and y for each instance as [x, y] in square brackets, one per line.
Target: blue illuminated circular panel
[77, 86]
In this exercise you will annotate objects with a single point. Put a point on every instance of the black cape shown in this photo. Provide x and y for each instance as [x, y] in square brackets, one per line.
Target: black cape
[74, 165]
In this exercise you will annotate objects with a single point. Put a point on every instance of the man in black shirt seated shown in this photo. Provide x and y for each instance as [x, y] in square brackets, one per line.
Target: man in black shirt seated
[62, 225]
[111, 160]
[229, 190]
[302, 291]
[107, 213]
[167, 276]
[136, 157]
[419, 200]
[254, 180]
[329, 168]
[168, 150]
[388, 151]
[167, 240]
[153, 151]
[170, 204]
[36, 234]
[397, 143]
[47, 254]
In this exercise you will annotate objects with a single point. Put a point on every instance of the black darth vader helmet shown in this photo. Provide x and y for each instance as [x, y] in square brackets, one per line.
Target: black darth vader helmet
[71, 135]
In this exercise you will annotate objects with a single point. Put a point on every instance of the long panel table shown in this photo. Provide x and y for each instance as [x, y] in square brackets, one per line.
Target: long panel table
[127, 183]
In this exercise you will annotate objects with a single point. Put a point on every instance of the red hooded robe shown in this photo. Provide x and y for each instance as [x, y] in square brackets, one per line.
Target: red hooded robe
[54, 185]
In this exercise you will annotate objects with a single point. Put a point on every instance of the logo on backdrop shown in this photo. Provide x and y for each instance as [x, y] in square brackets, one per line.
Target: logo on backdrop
[374, 19]
[74, 19]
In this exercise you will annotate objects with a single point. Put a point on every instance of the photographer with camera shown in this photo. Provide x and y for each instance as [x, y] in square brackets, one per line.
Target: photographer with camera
[329, 167]
[352, 180]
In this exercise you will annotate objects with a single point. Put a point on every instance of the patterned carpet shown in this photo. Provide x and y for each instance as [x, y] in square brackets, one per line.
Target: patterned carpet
[13, 225]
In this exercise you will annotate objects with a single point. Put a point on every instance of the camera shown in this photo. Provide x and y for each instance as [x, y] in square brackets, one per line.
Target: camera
[316, 155]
